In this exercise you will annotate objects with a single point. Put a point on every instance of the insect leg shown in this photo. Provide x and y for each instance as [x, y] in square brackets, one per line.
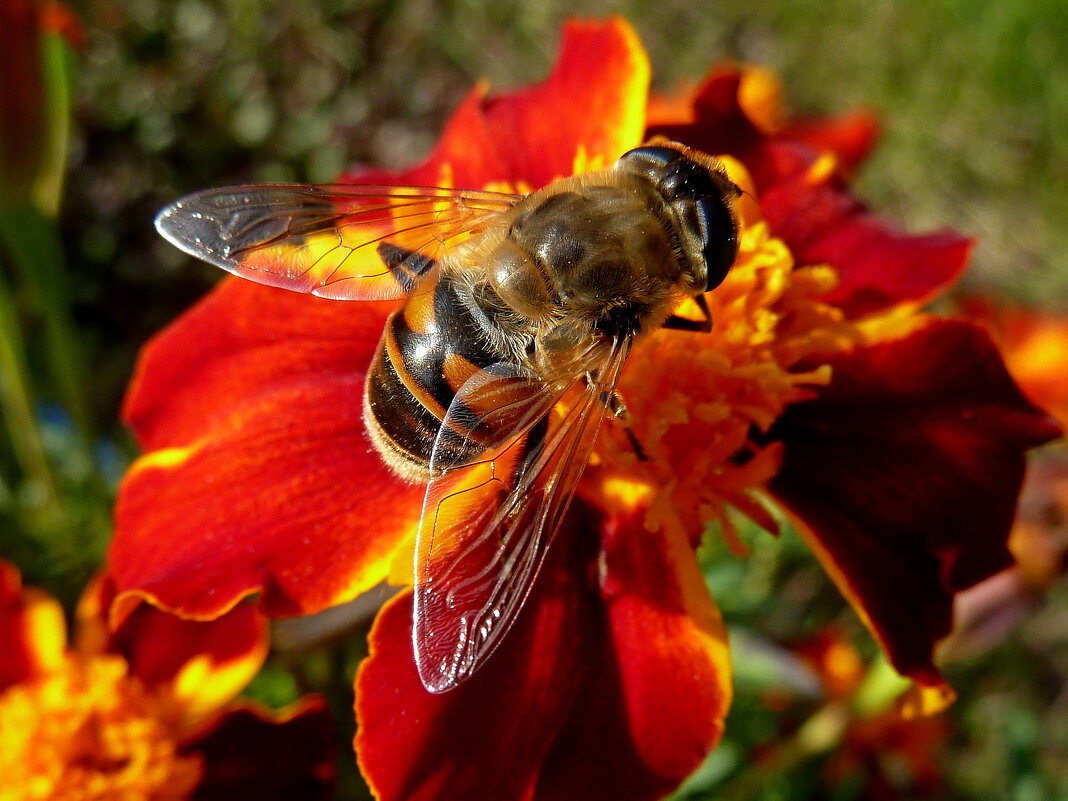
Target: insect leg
[676, 323]
[619, 413]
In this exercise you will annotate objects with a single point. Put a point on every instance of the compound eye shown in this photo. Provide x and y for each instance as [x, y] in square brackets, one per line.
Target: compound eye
[720, 238]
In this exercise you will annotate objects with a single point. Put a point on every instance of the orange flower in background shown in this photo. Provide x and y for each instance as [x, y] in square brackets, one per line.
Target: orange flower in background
[894, 440]
[888, 752]
[1035, 346]
[892, 757]
[145, 711]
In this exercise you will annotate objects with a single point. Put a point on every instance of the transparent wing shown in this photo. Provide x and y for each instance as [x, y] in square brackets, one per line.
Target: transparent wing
[346, 242]
[506, 462]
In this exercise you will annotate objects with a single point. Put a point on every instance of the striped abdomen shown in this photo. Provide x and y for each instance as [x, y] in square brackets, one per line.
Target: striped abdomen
[429, 348]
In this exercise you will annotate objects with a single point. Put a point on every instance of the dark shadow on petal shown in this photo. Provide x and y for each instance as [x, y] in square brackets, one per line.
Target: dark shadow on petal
[254, 754]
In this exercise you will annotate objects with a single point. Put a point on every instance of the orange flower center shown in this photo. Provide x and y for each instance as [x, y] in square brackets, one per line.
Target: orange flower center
[697, 400]
[89, 732]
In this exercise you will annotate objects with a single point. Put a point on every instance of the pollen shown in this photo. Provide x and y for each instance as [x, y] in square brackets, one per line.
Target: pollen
[626, 494]
[89, 731]
[700, 404]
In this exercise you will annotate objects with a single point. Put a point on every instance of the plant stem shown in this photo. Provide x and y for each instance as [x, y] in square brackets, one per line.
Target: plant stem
[32, 241]
[819, 735]
[16, 399]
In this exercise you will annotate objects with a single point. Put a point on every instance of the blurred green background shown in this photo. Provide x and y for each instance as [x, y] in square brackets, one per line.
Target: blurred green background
[169, 96]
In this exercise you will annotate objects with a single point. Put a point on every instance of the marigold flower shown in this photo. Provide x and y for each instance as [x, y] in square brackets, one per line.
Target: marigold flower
[887, 753]
[894, 440]
[144, 712]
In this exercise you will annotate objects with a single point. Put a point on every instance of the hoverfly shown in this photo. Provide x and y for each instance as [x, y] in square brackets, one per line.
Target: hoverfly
[492, 378]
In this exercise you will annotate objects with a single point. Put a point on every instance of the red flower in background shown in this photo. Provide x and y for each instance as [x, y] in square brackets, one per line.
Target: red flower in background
[894, 440]
[145, 711]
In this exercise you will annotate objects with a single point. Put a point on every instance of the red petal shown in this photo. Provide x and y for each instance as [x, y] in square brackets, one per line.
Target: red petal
[592, 103]
[158, 646]
[798, 169]
[33, 634]
[656, 684]
[720, 125]
[807, 204]
[201, 665]
[737, 110]
[904, 474]
[16, 651]
[252, 753]
[486, 738]
[646, 656]
[238, 340]
[850, 137]
[260, 478]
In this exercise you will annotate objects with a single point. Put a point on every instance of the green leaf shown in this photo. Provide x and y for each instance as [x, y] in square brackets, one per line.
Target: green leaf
[32, 241]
